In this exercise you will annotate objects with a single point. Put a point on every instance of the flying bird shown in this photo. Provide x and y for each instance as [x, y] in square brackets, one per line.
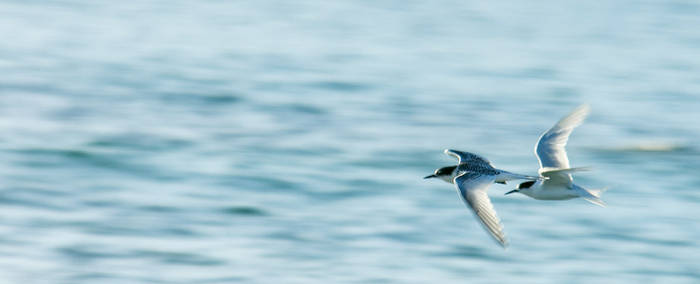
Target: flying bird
[554, 164]
[473, 175]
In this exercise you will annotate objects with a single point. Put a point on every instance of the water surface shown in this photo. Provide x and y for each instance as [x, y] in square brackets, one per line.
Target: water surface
[267, 142]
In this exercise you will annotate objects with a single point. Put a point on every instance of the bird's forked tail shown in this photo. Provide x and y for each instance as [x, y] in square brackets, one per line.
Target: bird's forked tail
[591, 195]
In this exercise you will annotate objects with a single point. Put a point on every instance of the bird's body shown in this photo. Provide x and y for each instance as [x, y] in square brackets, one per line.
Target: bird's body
[547, 191]
[554, 164]
[472, 176]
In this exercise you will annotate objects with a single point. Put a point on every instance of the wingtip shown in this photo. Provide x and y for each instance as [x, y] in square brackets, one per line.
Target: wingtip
[452, 153]
[583, 108]
[576, 116]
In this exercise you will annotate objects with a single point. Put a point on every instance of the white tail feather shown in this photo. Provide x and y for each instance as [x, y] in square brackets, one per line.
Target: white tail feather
[597, 192]
[596, 201]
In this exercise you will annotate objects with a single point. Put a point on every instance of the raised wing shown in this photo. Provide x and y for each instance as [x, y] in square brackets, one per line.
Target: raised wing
[472, 188]
[464, 157]
[550, 148]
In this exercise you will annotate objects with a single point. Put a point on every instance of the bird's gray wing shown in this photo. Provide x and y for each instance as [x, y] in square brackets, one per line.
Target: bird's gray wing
[550, 147]
[557, 176]
[464, 157]
[472, 188]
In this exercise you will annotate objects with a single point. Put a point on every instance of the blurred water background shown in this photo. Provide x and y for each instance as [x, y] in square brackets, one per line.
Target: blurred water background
[286, 141]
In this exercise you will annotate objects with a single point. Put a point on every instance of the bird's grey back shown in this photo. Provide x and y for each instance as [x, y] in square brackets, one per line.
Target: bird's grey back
[477, 168]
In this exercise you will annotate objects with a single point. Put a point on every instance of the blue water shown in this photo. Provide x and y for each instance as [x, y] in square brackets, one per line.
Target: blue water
[286, 141]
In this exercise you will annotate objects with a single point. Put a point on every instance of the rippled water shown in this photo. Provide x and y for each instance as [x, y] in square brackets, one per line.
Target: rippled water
[277, 141]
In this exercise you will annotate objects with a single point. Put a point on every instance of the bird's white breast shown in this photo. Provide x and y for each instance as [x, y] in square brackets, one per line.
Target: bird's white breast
[544, 191]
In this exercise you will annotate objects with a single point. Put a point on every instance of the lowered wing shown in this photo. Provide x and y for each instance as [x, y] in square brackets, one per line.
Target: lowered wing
[472, 188]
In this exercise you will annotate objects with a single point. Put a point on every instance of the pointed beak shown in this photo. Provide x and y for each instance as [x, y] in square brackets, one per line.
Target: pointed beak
[430, 176]
[512, 191]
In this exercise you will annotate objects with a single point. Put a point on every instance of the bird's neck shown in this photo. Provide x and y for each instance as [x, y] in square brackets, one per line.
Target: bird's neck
[448, 179]
[527, 191]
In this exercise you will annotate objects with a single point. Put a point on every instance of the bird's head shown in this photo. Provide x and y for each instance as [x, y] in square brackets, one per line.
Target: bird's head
[522, 186]
[444, 173]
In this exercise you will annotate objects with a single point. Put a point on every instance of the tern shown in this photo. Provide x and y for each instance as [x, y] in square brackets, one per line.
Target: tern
[473, 175]
[554, 164]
